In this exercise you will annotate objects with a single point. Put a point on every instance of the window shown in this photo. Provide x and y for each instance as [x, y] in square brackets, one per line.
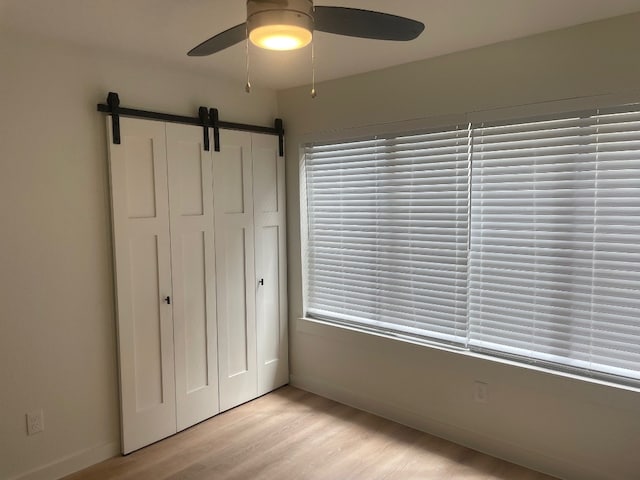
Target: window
[555, 242]
[387, 238]
[518, 239]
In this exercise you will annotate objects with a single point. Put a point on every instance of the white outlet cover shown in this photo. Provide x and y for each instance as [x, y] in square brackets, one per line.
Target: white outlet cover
[35, 422]
[481, 392]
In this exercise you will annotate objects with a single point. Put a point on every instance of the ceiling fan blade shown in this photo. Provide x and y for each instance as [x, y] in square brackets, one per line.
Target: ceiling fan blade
[220, 41]
[354, 22]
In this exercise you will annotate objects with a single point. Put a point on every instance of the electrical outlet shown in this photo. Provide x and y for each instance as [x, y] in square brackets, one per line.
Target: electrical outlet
[35, 422]
[481, 392]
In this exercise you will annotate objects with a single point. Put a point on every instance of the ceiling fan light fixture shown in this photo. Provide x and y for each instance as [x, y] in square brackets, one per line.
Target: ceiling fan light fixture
[280, 37]
[274, 28]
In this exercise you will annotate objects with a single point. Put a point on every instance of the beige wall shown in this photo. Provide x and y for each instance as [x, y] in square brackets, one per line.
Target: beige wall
[57, 326]
[567, 427]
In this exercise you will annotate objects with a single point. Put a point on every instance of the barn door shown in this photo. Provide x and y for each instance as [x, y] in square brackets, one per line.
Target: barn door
[249, 200]
[163, 229]
[270, 260]
[141, 240]
[233, 200]
[193, 274]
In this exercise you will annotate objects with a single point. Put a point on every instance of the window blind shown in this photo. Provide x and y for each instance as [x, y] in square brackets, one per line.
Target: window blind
[387, 233]
[532, 253]
[615, 340]
[554, 257]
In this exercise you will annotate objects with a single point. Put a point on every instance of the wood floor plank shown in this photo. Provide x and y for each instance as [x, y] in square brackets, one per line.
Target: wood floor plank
[290, 434]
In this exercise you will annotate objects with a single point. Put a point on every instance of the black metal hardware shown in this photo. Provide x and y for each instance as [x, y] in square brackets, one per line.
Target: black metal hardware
[165, 117]
[167, 300]
[113, 108]
[248, 128]
[113, 101]
[261, 282]
[280, 129]
[214, 119]
[203, 114]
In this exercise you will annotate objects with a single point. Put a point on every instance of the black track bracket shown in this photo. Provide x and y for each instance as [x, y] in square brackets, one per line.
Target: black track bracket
[214, 120]
[113, 101]
[203, 115]
[279, 126]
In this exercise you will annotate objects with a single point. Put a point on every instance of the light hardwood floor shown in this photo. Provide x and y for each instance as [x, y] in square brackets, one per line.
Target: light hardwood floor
[292, 434]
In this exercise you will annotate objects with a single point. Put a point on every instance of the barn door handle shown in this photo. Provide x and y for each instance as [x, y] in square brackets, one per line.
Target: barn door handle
[261, 282]
[167, 300]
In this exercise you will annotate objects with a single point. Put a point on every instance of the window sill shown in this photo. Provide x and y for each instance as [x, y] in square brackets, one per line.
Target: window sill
[334, 331]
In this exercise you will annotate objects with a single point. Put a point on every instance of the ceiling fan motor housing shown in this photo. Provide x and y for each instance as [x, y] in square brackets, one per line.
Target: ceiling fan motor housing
[297, 13]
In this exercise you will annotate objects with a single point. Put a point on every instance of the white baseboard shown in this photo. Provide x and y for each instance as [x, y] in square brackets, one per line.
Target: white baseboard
[72, 463]
[496, 447]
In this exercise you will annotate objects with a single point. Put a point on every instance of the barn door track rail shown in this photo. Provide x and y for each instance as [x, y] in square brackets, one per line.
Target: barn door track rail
[207, 118]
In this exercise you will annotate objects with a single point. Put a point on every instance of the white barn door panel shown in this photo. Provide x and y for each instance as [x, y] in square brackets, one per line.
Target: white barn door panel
[140, 206]
[193, 274]
[233, 200]
[270, 260]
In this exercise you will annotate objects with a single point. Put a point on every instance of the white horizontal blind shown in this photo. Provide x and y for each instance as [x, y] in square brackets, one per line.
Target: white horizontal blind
[554, 268]
[387, 233]
[616, 282]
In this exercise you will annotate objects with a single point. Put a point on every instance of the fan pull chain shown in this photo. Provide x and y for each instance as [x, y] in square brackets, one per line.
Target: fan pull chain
[247, 87]
[313, 69]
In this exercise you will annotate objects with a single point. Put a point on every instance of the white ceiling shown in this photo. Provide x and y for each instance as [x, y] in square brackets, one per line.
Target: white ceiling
[164, 30]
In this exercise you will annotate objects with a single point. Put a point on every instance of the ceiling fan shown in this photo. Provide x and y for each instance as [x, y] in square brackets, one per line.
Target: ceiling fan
[289, 25]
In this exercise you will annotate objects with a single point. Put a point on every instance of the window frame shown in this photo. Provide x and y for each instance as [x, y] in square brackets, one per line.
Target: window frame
[545, 110]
